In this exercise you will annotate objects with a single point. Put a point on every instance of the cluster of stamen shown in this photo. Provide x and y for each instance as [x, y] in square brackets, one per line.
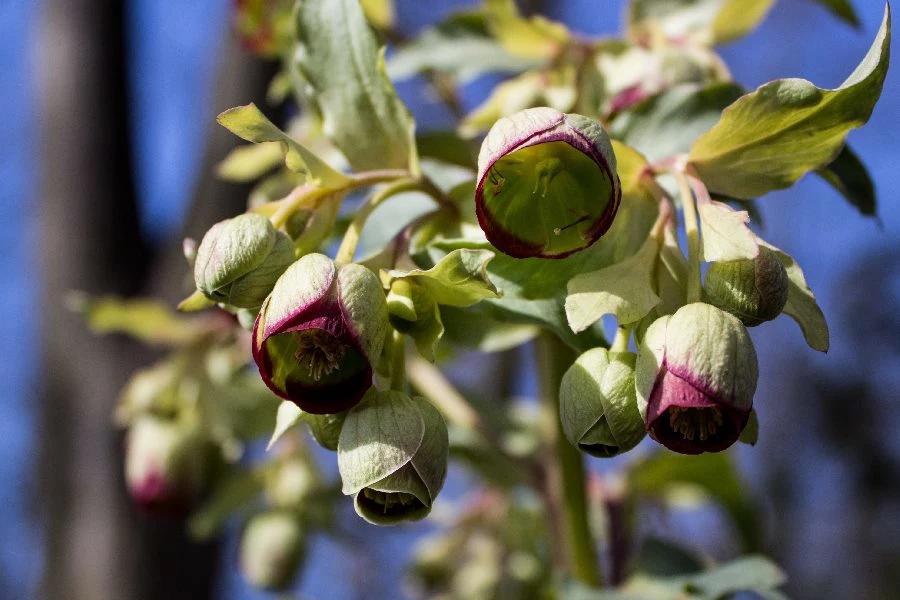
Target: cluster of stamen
[319, 351]
[389, 500]
[691, 422]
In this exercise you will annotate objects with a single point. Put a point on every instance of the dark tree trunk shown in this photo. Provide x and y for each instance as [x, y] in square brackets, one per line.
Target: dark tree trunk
[97, 548]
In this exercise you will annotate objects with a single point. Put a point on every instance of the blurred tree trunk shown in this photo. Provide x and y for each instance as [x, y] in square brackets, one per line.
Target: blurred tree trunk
[97, 548]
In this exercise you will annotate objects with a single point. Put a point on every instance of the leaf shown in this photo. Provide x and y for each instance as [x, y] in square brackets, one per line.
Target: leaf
[705, 21]
[379, 12]
[149, 321]
[714, 473]
[343, 62]
[801, 303]
[447, 147]
[770, 138]
[458, 279]
[289, 414]
[750, 434]
[668, 123]
[849, 176]
[248, 122]
[747, 573]
[476, 327]
[624, 290]
[250, 162]
[461, 46]
[505, 99]
[534, 37]
[231, 495]
[842, 9]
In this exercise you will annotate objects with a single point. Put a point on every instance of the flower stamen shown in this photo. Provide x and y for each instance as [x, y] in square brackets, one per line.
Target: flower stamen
[388, 500]
[320, 351]
[691, 422]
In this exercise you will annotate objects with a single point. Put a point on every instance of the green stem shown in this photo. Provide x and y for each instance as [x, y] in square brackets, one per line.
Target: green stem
[693, 235]
[351, 239]
[398, 362]
[554, 357]
[620, 342]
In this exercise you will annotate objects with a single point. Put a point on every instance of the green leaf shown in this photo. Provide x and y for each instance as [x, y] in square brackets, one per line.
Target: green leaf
[379, 12]
[231, 495]
[705, 21]
[535, 37]
[842, 9]
[149, 321]
[478, 327]
[624, 290]
[750, 434]
[461, 46]
[744, 574]
[289, 414]
[713, 473]
[343, 62]
[770, 138]
[250, 162]
[668, 123]
[801, 304]
[458, 279]
[447, 147]
[509, 97]
[849, 176]
[248, 122]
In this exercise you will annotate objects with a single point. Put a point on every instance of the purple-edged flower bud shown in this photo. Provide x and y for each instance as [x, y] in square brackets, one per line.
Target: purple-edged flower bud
[754, 290]
[320, 332]
[240, 259]
[695, 377]
[547, 184]
[272, 547]
[167, 466]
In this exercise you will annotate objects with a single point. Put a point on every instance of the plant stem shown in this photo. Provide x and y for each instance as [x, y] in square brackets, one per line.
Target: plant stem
[553, 358]
[693, 235]
[398, 362]
[351, 239]
[620, 342]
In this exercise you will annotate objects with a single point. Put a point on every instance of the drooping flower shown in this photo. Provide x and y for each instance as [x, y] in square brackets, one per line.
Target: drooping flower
[547, 184]
[695, 377]
[319, 333]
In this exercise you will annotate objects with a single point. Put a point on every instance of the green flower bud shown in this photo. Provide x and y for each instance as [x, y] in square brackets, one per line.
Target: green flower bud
[167, 466]
[754, 291]
[326, 429]
[290, 481]
[597, 403]
[547, 184]
[319, 333]
[695, 377]
[240, 259]
[272, 546]
[392, 456]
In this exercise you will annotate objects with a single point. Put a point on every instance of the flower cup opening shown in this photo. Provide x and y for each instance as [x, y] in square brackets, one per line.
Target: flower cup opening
[389, 507]
[549, 199]
[599, 450]
[320, 372]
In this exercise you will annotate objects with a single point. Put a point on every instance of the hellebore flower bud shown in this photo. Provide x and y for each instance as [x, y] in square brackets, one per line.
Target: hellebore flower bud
[290, 482]
[754, 290]
[272, 547]
[240, 259]
[597, 403]
[167, 466]
[695, 377]
[547, 184]
[392, 456]
[319, 332]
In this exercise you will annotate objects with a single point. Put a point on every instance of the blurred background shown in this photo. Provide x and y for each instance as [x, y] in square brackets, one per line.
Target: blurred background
[108, 143]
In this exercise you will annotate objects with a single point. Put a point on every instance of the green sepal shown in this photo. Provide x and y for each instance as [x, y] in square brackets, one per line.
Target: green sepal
[458, 279]
[848, 175]
[412, 310]
[598, 406]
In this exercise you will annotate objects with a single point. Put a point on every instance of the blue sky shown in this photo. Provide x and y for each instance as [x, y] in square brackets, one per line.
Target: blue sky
[173, 61]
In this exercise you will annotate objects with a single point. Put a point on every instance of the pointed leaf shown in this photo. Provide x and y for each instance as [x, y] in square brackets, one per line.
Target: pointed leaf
[289, 414]
[750, 434]
[250, 162]
[624, 290]
[849, 176]
[458, 279]
[770, 138]
[534, 37]
[842, 9]
[249, 123]
[343, 62]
